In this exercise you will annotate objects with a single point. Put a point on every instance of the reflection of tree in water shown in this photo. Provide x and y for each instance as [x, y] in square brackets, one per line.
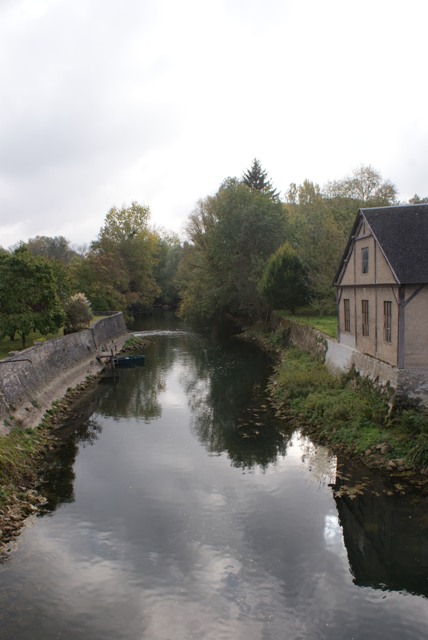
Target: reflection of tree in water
[79, 428]
[229, 406]
[385, 532]
[133, 393]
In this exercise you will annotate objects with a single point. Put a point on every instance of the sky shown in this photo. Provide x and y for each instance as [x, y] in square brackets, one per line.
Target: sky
[105, 102]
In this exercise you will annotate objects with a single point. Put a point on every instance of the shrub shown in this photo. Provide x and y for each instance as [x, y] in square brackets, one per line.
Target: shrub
[78, 313]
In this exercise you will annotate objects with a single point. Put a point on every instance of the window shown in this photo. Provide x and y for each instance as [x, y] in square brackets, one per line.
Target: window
[347, 314]
[387, 321]
[365, 259]
[365, 312]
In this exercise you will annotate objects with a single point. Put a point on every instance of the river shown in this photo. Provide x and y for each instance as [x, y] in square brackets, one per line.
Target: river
[179, 508]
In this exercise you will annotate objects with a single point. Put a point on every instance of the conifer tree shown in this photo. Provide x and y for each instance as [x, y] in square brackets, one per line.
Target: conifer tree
[257, 178]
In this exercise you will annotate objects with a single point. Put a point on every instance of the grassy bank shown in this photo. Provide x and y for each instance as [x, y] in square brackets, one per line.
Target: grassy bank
[347, 411]
[325, 324]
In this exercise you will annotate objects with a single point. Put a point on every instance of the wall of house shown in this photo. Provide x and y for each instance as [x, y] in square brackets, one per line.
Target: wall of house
[375, 286]
[416, 328]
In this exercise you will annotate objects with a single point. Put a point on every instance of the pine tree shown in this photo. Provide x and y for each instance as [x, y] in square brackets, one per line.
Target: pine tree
[257, 178]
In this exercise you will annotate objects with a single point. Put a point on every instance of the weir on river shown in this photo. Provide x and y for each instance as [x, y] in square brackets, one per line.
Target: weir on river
[179, 507]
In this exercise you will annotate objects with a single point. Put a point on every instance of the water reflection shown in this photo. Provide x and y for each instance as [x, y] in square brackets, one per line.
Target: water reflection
[229, 406]
[385, 533]
[163, 540]
[79, 429]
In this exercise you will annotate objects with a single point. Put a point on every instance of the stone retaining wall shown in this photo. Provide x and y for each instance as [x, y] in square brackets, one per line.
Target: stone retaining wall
[31, 379]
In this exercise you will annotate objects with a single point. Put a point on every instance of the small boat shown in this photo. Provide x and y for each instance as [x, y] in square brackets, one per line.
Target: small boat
[129, 361]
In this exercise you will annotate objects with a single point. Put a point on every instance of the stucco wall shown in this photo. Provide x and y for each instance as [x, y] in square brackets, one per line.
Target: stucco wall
[416, 328]
[33, 378]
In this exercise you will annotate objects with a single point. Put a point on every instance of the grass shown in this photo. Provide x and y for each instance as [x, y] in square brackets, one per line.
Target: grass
[347, 411]
[20, 452]
[6, 344]
[325, 324]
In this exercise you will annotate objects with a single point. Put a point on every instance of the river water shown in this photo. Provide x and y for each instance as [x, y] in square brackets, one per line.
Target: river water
[179, 508]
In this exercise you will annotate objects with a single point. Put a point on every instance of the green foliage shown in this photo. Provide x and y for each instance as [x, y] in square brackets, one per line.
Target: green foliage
[52, 248]
[28, 296]
[257, 178]
[7, 344]
[284, 283]
[365, 186]
[347, 411]
[325, 324]
[418, 199]
[321, 220]
[319, 240]
[231, 236]
[78, 313]
[169, 252]
[117, 273]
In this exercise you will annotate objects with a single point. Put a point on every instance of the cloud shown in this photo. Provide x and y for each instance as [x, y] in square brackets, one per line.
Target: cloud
[105, 102]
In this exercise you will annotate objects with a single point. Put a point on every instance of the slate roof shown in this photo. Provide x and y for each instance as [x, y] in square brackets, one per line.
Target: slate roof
[402, 233]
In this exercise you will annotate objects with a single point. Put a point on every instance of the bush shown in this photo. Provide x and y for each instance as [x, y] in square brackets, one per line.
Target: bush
[78, 313]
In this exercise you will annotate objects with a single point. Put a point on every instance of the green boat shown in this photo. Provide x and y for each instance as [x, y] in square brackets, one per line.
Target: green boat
[129, 361]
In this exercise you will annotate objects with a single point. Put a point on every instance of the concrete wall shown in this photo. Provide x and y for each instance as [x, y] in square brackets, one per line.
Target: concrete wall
[33, 378]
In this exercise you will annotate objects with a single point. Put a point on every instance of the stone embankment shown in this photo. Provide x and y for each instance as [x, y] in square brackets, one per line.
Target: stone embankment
[32, 379]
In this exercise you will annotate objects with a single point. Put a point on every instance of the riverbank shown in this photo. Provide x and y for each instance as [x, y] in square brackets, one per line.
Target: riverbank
[346, 411]
[23, 448]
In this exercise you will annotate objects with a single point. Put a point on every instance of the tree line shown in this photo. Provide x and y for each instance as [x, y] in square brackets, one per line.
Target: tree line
[246, 251]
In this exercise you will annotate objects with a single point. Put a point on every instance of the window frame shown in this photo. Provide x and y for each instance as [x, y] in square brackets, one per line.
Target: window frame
[365, 260]
[347, 314]
[387, 321]
[365, 318]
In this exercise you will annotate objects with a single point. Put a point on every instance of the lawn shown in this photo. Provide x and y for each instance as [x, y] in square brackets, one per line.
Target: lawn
[325, 324]
[6, 344]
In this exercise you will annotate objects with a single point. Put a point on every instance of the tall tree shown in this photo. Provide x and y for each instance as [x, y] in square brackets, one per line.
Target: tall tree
[418, 199]
[169, 252]
[118, 270]
[366, 186]
[319, 239]
[57, 250]
[284, 283]
[257, 178]
[28, 296]
[231, 236]
[53, 248]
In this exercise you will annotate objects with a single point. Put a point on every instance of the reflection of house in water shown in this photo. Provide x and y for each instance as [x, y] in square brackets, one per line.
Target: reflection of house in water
[386, 538]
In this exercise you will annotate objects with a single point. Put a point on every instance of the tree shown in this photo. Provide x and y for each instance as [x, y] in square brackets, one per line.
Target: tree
[284, 284]
[231, 236]
[28, 296]
[418, 200]
[53, 248]
[318, 231]
[256, 178]
[169, 252]
[78, 313]
[366, 186]
[118, 272]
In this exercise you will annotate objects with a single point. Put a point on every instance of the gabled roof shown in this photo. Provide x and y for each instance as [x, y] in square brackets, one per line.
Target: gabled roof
[402, 233]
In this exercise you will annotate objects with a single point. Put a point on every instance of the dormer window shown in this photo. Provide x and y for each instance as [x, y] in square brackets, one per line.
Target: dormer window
[365, 260]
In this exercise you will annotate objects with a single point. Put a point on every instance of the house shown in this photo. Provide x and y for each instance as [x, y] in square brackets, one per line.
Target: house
[382, 288]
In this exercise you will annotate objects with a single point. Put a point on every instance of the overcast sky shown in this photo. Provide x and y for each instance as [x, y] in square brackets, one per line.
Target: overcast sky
[103, 102]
